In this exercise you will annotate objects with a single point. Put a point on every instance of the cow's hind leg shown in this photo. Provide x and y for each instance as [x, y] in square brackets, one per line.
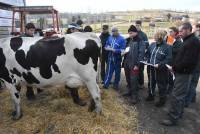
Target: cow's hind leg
[75, 96]
[96, 98]
[15, 95]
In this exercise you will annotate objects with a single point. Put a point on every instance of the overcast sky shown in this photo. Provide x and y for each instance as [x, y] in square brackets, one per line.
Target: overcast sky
[116, 5]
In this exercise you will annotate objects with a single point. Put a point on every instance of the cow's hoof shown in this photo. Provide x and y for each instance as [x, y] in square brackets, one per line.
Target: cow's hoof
[13, 113]
[31, 98]
[98, 111]
[92, 106]
[15, 116]
[80, 102]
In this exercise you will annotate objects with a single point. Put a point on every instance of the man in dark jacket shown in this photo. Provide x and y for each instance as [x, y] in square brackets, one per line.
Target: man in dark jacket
[191, 96]
[144, 38]
[104, 54]
[132, 62]
[185, 63]
[176, 45]
[158, 54]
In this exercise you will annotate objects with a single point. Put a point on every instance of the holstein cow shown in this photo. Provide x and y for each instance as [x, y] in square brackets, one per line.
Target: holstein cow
[37, 62]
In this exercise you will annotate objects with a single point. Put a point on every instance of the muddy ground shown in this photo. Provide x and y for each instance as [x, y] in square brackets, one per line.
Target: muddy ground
[149, 116]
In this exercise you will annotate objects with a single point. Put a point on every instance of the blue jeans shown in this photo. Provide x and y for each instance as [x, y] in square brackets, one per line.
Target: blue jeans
[192, 88]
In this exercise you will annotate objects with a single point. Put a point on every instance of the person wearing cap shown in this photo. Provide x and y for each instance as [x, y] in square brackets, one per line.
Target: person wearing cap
[115, 45]
[144, 38]
[158, 55]
[73, 27]
[132, 62]
[191, 96]
[104, 54]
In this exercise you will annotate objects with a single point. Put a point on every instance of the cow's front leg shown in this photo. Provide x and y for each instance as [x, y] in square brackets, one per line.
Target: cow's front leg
[95, 93]
[15, 95]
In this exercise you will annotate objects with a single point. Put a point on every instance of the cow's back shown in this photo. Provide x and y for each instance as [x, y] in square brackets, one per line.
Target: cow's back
[41, 63]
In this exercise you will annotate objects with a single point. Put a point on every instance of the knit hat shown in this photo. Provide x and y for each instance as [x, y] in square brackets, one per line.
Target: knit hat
[132, 28]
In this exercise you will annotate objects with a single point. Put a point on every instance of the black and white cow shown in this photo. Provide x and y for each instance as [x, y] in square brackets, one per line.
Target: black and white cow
[37, 62]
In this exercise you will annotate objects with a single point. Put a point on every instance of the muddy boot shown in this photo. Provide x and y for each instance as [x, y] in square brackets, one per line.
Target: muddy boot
[39, 90]
[161, 102]
[150, 98]
[168, 122]
[30, 93]
[134, 99]
[76, 98]
[128, 94]
[194, 99]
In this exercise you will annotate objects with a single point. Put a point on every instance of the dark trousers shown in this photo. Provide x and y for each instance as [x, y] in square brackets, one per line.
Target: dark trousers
[179, 93]
[127, 75]
[192, 87]
[159, 77]
[170, 84]
[148, 75]
[132, 80]
[152, 80]
[103, 66]
[141, 75]
[162, 81]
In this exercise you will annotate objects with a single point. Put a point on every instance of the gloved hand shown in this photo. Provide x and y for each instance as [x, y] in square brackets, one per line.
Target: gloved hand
[135, 70]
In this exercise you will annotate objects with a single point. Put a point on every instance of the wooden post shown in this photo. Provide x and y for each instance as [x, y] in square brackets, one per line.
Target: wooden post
[57, 22]
[53, 15]
[13, 21]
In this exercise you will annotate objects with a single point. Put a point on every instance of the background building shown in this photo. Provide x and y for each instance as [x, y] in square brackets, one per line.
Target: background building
[6, 15]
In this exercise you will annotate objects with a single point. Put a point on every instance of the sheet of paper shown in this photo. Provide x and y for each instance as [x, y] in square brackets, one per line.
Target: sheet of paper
[146, 63]
[168, 66]
[170, 69]
[127, 50]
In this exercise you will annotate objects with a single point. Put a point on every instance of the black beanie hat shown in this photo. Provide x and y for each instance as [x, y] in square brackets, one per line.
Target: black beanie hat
[132, 28]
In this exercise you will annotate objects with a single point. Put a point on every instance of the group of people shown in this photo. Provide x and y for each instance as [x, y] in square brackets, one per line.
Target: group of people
[174, 54]
[173, 65]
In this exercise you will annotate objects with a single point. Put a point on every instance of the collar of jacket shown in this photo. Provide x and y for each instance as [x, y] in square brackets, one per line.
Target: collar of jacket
[105, 34]
[192, 34]
[160, 44]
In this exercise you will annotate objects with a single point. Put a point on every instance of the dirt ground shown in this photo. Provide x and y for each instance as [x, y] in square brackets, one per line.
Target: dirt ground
[54, 113]
[149, 116]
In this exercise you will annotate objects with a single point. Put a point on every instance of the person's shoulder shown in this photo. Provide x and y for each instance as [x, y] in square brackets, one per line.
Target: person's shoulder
[121, 38]
[143, 33]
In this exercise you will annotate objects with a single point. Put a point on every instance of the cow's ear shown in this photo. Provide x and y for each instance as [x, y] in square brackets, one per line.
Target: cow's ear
[16, 43]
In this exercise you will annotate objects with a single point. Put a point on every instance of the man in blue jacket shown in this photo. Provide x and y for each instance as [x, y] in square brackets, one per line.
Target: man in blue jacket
[115, 45]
